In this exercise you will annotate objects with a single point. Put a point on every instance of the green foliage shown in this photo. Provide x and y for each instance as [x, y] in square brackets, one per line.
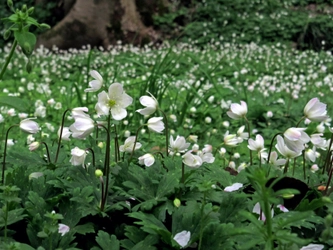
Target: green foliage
[306, 23]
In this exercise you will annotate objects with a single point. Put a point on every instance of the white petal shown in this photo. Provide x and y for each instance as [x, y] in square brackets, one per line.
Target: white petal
[118, 113]
[183, 238]
[233, 187]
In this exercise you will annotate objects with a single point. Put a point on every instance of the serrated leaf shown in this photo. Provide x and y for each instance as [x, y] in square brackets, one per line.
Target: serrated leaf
[107, 242]
[152, 225]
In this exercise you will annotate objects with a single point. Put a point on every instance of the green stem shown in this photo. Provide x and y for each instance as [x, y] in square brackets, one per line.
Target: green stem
[92, 155]
[270, 147]
[3, 70]
[183, 173]
[327, 160]
[201, 222]
[286, 167]
[60, 135]
[248, 128]
[47, 152]
[166, 132]
[4, 154]
[136, 139]
[267, 212]
[5, 221]
[300, 121]
[106, 169]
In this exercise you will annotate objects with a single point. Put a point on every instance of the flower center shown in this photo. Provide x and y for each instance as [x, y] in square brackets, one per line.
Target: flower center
[111, 103]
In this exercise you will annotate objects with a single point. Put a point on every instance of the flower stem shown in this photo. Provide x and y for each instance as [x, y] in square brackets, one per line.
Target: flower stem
[286, 167]
[47, 152]
[106, 169]
[271, 145]
[248, 128]
[166, 132]
[201, 222]
[328, 156]
[60, 135]
[183, 173]
[4, 153]
[300, 121]
[92, 155]
[3, 70]
[136, 139]
[116, 145]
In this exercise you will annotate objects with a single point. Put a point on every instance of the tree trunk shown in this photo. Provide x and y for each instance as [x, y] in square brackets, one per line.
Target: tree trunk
[98, 23]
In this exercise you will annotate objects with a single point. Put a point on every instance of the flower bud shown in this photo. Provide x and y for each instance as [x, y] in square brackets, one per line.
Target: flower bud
[98, 173]
[6, 35]
[176, 202]
[24, 8]
[326, 199]
[287, 196]
[44, 26]
[34, 145]
[328, 220]
[28, 67]
[10, 3]
[31, 10]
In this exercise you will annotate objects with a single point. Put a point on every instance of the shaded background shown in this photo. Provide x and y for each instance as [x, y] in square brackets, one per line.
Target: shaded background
[304, 24]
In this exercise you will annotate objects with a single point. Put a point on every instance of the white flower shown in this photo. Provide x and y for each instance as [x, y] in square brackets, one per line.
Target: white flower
[314, 168]
[147, 160]
[241, 135]
[182, 238]
[282, 208]
[151, 104]
[257, 210]
[295, 138]
[206, 156]
[29, 126]
[233, 187]
[311, 154]
[237, 111]
[273, 159]
[192, 160]
[116, 101]
[207, 149]
[34, 145]
[284, 150]
[231, 140]
[80, 112]
[256, 145]
[66, 133]
[63, 229]
[179, 145]
[313, 247]
[96, 84]
[156, 124]
[35, 175]
[78, 156]
[82, 127]
[208, 120]
[317, 140]
[128, 145]
[315, 110]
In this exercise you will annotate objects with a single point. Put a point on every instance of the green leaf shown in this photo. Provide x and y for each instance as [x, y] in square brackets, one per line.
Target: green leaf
[26, 40]
[15, 102]
[107, 242]
[152, 225]
[84, 229]
[12, 216]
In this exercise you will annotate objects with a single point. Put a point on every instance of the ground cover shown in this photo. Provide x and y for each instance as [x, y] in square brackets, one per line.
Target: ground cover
[174, 155]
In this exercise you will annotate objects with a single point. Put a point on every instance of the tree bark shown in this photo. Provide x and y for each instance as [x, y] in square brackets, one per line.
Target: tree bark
[98, 23]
